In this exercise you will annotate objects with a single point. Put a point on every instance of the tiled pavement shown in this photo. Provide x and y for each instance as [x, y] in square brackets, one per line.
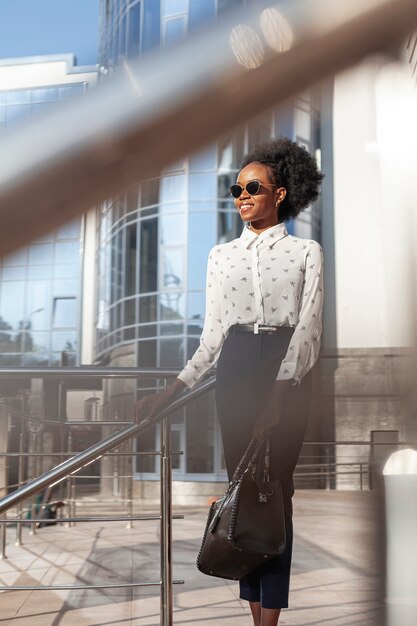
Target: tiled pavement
[335, 578]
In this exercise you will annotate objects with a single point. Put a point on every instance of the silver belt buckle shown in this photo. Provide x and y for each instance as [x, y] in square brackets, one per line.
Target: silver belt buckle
[256, 328]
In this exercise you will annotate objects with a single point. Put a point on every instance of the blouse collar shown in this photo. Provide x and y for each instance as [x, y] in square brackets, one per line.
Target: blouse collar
[270, 235]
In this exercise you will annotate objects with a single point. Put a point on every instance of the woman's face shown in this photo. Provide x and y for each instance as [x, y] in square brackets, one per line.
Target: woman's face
[261, 208]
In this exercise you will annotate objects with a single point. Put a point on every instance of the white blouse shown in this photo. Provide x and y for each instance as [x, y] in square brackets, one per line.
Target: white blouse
[272, 278]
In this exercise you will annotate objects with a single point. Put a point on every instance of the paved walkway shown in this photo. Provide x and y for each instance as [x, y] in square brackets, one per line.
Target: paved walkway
[334, 576]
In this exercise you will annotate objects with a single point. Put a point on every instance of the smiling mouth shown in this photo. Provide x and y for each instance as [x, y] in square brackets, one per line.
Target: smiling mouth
[245, 207]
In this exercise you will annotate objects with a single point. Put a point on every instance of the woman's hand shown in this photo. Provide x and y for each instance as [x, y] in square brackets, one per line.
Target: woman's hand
[271, 414]
[148, 407]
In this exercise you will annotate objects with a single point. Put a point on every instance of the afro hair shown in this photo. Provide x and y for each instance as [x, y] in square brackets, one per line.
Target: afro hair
[291, 166]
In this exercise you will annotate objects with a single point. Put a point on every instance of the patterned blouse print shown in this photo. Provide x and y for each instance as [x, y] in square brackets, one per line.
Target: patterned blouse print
[272, 278]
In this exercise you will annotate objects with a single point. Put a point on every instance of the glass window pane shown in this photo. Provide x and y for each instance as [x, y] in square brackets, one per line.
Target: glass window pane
[171, 353]
[64, 340]
[174, 30]
[64, 313]
[46, 94]
[196, 305]
[175, 6]
[171, 306]
[202, 228]
[69, 90]
[172, 229]
[20, 96]
[16, 258]
[172, 268]
[67, 252]
[147, 309]
[12, 304]
[166, 328]
[203, 186]
[130, 312]
[200, 11]
[40, 342]
[130, 260]
[14, 273]
[260, 130]
[147, 353]
[152, 27]
[201, 435]
[70, 230]
[65, 287]
[133, 39]
[148, 255]
[41, 254]
[146, 443]
[16, 113]
[40, 271]
[66, 271]
[204, 160]
[173, 188]
[38, 305]
[149, 192]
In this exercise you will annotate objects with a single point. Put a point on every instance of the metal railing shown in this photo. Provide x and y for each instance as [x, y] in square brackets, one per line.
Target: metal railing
[67, 468]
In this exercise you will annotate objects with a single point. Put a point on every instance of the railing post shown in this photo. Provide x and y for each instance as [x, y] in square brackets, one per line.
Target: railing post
[166, 525]
[129, 474]
[20, 482]
[3, 537]
[35, 473]
[69, 490]
[328, 468]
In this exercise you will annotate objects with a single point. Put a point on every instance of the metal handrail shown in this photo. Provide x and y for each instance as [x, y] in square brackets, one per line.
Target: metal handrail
[97, 450]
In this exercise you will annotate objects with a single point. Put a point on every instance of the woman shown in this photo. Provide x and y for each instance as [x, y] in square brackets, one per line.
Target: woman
[263, 323]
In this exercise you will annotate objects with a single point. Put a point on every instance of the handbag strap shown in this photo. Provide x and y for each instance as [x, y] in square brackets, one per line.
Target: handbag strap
[248, 460]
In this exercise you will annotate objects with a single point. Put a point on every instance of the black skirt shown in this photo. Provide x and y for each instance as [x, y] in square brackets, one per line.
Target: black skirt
[246, 372]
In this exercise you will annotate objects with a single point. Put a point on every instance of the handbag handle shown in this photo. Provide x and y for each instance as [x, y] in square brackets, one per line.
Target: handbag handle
[248, 462]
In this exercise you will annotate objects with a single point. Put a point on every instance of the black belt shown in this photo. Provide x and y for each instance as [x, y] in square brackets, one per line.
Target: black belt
[256, 328]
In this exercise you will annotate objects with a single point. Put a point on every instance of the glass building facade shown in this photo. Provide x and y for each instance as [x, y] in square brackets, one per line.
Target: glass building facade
[40, 284]
[154, 239]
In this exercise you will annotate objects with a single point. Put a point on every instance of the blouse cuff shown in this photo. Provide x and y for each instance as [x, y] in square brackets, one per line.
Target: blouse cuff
[288, 371]
[188, 377]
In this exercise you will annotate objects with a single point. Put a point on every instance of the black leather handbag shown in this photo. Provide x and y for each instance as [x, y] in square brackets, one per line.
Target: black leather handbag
[246, 527]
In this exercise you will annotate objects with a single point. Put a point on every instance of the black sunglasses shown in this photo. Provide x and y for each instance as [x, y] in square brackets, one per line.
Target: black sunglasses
[253, 187]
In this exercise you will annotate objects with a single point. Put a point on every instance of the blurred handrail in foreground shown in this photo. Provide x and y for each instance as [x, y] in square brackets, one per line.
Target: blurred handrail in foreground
[127, 129]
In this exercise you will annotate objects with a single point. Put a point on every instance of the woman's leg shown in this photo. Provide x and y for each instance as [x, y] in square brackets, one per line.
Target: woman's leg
[269, 617]
[255, 607]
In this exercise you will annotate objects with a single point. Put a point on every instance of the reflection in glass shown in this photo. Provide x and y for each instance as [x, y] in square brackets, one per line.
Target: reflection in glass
[64, 313]
[65, 287]
[230, 226]
[147, 353]
[130, 260]
[196, 305]
[64, 340]
[130, 316]
[171, 306]
[172, 268]
[171, 353]
[40, 342]
[148, 255]
[147, 309]
[149, 192]
[167, 328]
[172, 228]
[38, 305]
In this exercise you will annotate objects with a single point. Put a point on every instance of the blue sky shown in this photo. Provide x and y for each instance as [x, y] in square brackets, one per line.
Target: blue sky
[36, 27]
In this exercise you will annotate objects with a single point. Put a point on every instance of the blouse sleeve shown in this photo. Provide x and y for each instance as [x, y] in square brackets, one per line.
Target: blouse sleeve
[212, 337]
[304, 347]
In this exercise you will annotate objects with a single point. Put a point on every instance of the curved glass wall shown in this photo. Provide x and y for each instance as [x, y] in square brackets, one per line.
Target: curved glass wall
[154, 239]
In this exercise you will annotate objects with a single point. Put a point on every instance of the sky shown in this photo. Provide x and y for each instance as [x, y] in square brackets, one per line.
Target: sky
[38, 27]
